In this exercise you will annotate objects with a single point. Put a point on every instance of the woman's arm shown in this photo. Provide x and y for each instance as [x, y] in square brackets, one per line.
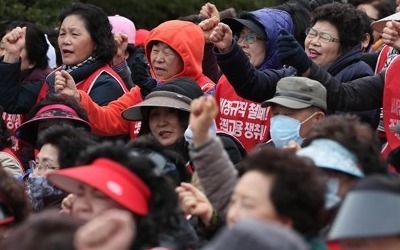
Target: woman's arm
[212, 164]
[248, 82]
[16, 98]
[107, 120]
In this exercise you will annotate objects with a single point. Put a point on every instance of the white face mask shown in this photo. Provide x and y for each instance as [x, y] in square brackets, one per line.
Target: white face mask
[285, 129]
[331, 197]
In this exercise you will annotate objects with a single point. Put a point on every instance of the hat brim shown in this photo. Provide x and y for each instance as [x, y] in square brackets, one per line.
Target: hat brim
[286, 102]
[134, 113]
[100, 177]
[237, 24]
[28, 131]
[380, 24]
[321, 155]
[365, 214]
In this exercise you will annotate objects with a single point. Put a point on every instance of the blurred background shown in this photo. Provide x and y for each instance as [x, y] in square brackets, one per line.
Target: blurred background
[144, 13]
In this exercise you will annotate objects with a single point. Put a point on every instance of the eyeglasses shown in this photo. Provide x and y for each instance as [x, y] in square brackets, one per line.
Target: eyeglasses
[250, 38]
[41, 166]
[323, 36]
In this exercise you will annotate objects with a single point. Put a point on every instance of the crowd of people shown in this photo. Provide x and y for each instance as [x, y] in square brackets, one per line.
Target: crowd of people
[276, 128]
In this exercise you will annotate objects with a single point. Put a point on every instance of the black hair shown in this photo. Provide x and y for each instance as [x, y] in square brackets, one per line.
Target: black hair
[186, 87]
[175, 165]
[355, 136]
[367, 30]
[70, 142]
[164, 215]
[297, 191]
[35, 44]
[300, 12]
[340, 15]
[97, 24]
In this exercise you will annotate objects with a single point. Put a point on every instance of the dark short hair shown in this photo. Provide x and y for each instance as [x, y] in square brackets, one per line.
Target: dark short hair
[355, 136]
[98, 26]
[341, 15]
[297, 190]
[163, 216]
[35, 44]
[147, 143]
[300, 12]
[367, 29]
[70, 142]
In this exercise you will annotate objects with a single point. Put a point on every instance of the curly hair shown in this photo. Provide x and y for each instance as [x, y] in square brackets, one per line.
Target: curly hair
[164, 215]
[70, 142]
[297, 190]
[355, 136]
[98, 26]
[16, 196]
[341, 15]
[147, 142]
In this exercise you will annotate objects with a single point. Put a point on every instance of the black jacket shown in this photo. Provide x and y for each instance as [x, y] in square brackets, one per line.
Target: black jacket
[362, 94]
[248, 82]
[19, 98]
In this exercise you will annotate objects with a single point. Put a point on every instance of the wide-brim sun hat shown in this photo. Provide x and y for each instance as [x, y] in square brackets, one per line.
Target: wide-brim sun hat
[28, 131]
[158, 99]
[369, 210]
[110, 177]
[331, 155]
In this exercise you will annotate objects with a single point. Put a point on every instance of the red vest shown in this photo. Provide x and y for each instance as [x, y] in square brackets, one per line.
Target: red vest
[391, 105]
[383, 54]
[87, 84]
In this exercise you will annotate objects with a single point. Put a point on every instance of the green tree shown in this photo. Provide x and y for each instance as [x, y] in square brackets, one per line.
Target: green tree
[41, 12]
[145, 14]
[148, 14]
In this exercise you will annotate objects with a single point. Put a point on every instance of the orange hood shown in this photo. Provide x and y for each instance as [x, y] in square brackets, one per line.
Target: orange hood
[186, 38]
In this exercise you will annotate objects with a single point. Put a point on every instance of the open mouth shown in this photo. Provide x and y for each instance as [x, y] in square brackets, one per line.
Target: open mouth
[67, 52]
[164, 134]
[312, 53]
